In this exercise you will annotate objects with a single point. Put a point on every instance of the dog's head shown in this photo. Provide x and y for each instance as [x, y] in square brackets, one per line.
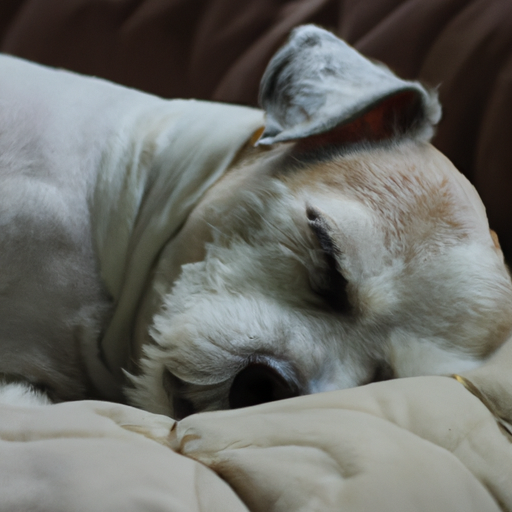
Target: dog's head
[342, 250]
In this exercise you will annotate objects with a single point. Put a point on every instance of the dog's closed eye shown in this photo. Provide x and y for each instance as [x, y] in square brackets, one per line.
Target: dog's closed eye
[331, 285]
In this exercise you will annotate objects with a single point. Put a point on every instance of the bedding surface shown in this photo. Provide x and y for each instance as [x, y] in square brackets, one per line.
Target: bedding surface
[424, 444]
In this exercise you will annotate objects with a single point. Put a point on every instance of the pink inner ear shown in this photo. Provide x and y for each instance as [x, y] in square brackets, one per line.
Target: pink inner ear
[390, 117]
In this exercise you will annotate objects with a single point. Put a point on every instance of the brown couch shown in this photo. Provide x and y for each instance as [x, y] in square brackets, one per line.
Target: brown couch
[217, 49]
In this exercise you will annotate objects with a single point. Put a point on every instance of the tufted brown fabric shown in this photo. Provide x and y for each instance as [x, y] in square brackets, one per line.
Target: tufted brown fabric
[218, 49]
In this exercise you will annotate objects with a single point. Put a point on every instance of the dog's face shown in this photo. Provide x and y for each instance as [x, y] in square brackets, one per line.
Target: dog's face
[310, 268]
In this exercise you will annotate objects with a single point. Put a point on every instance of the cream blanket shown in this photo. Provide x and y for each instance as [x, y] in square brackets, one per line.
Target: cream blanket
[418, 444]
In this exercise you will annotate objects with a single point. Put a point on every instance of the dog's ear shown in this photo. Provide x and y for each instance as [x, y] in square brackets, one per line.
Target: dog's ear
[320, 91]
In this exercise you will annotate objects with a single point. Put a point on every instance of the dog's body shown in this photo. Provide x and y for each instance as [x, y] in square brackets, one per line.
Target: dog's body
[87, 203]
[151, 236]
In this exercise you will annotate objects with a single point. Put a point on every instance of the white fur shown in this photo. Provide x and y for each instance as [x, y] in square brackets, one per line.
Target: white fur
[20, 394]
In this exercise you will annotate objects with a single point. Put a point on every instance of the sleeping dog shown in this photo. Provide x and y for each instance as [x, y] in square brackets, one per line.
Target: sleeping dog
[184, 256]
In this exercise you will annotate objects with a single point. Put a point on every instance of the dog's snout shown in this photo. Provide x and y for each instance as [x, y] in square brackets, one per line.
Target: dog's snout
[258, 383]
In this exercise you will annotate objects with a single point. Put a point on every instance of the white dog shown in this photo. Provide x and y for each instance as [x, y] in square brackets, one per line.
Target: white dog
[151, 252]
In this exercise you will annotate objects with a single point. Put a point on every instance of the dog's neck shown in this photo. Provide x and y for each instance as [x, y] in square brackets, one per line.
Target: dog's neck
[153, 174]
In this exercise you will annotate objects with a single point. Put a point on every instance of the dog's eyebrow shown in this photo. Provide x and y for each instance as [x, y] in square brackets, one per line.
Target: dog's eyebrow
[334, 288]
[321, 229]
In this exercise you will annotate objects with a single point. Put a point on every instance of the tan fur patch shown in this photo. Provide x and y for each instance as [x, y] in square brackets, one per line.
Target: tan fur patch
[409, 190]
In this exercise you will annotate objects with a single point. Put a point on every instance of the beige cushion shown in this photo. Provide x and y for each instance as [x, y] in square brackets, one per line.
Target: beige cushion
[423, 443]
[96, 456]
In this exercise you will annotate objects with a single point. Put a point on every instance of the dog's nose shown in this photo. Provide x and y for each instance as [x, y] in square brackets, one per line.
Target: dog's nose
[258, 383]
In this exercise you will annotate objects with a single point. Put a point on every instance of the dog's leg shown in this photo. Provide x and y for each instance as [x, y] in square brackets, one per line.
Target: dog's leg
[21, 394]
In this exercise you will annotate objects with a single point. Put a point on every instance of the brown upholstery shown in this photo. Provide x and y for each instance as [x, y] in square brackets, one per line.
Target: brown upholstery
[218, 49]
